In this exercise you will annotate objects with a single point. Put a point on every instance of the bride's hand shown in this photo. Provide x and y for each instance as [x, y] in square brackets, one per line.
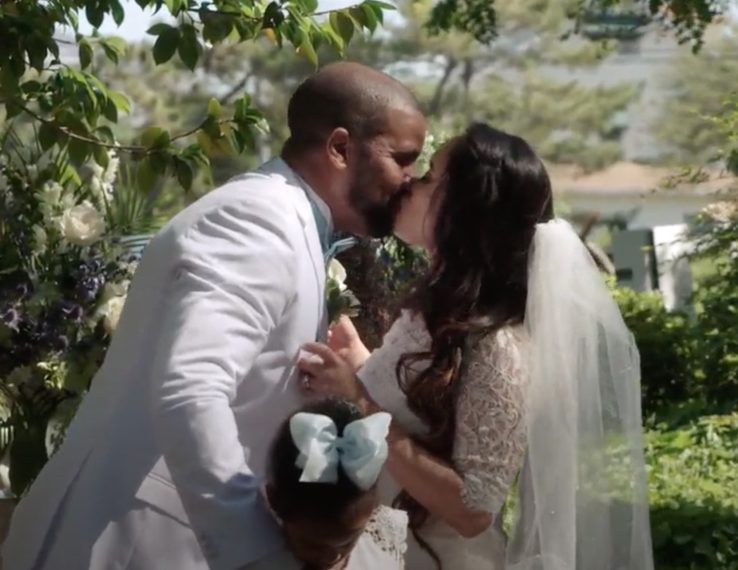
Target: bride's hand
[344, 339]
[328, 373]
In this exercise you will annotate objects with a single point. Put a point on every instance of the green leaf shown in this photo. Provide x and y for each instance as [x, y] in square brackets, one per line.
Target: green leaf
[189, 48]
[243, 110]
[36, 56]
[370, 17]
[120, 101]
[174, 6]
[166, 45]
[185, 173]
[358, 14]
[95, 14]
[117, 10]
[114, 48]
[306, 48]
[158, 29]
[381, 5]
[333, 38]
[273, 16]
[212, 127]
[48, 134]
[101, 156]
[105, 133]
[309, 6]
[78, 151]
[214, 108]
[377, 9]
[216, 27]
[155, 137]
[85, 54]
[110, 110]
[343, 25]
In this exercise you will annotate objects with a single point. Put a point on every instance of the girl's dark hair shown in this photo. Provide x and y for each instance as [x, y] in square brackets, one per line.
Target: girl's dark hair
[493, 193]
[326, 502]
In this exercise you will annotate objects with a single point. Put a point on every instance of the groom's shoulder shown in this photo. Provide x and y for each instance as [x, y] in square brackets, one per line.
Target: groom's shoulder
[264, 193]
[266, 186]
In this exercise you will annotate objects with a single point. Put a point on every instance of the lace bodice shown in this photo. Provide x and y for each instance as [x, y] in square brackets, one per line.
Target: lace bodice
[490, 434]
[388, 530]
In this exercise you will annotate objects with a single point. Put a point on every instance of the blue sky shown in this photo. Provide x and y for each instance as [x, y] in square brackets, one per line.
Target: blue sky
[138, 21]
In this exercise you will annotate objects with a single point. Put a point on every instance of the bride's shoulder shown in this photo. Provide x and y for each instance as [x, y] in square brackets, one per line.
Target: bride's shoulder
[409, 327]
[511, 338]
[387, 529]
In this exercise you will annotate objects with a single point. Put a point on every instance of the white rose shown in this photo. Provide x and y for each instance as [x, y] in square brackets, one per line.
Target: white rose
[337, 273]
[40, 240]
[110, 312]
[52, 193]
[82, 224]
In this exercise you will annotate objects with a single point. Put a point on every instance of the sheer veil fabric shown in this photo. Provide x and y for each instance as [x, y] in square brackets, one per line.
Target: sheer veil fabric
[582, 492]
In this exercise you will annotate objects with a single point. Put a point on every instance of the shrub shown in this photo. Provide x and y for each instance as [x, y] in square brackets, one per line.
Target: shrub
[693, 474]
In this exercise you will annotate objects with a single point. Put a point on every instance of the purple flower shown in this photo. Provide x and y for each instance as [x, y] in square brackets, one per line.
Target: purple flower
[89, 287]
[72, 311]
[60, 343]
[11, 318]
[22, 290]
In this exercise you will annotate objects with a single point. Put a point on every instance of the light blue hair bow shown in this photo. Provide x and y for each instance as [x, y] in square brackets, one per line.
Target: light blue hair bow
[361, 451]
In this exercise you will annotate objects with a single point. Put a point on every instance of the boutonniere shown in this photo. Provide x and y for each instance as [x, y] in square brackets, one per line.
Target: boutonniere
[340, 299]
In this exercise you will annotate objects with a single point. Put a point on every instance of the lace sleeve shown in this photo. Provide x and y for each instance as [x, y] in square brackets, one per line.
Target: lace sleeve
[490, 431]
[388, 530]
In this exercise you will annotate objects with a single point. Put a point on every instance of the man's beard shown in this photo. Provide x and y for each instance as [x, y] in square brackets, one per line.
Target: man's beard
[379, 219]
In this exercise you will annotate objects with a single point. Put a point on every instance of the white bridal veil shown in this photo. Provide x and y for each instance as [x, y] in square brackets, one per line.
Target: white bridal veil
[582, 491]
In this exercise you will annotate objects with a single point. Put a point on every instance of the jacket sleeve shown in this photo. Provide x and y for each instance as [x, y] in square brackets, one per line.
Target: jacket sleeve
[233, 279]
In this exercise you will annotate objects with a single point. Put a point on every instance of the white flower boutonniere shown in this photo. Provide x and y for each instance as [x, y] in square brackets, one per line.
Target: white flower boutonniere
[340, 299]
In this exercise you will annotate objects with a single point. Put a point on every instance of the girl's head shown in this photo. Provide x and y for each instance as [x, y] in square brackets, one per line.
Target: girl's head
[324, 466]
[476, 211]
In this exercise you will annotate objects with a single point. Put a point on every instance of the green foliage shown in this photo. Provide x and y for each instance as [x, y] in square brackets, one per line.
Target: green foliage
[74, 110]
[63, 282]
[706, 107]
[618, 19]
[717, 298]
[476, 17]
[693, 475]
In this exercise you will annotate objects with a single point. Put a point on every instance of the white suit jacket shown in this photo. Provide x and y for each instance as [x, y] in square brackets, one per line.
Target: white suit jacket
[197, 379]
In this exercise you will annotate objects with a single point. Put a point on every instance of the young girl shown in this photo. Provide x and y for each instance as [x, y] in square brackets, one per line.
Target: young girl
[324, 465]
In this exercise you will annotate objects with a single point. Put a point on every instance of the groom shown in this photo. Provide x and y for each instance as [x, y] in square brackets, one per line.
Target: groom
[162, 466]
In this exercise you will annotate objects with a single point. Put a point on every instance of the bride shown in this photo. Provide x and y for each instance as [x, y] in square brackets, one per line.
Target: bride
[510, 376]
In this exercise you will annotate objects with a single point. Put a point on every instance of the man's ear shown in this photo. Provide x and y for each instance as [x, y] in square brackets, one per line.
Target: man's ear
[337, 148]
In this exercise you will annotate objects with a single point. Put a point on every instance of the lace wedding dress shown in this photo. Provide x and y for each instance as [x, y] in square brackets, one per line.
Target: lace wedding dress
[489, 442]
[383, 543]
[381, 546]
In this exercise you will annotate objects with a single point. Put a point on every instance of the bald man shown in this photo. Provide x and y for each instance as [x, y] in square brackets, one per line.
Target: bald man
[162, 467]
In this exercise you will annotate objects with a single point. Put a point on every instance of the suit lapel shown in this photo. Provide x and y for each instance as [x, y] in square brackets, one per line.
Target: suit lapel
[312, 240]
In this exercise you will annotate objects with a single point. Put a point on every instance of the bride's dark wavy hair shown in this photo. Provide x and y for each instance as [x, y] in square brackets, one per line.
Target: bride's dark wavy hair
[494, 191]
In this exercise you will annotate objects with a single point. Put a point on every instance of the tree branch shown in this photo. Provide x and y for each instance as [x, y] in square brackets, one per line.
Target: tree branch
[116, 146]
[235, 89]
[435, 103]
